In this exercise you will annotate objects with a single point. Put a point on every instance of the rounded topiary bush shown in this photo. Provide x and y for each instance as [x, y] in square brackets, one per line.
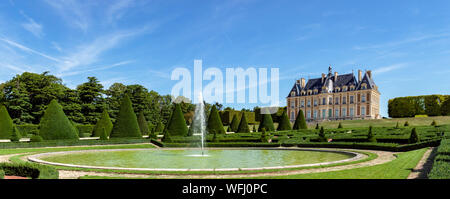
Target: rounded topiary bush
[103, 123]
[413, 138]
[36, 138]
[214, 122]
[55, 125]
[6, 123]
[126, 123]
[300, 122]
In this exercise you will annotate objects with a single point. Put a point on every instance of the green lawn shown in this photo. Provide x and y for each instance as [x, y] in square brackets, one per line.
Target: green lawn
[419, 121]
[399, 168]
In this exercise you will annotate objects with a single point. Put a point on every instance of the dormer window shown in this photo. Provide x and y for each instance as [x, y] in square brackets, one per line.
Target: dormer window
[363, 86]
[344, 89]
[292, 94]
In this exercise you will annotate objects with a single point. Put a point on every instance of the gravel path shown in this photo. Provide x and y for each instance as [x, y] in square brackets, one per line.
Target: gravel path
[424, 166]
[382, 158]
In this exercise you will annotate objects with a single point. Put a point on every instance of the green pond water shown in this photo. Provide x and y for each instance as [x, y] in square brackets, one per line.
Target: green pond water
[190, 159]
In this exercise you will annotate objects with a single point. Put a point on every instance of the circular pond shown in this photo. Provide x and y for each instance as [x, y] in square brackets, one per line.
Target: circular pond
[191, 159]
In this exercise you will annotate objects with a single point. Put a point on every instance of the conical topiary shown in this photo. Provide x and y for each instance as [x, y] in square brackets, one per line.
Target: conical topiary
[255, 129]
[397, 126]
[266, 122]
[317, 126]
[214, 122]
[6, 123]
[300, 122]
[265, 137]
[284, 124]
[143, 125]
[234, 125]
[126, 123]
[166, 137]
[243, 125]
[15, 135]
[434, 123]
[322, 137]
[55, 125]
[340, 126]
[177, 124]
[370, 136]
[103, 123]
[406, 123]
[103, 135]
[413, 138]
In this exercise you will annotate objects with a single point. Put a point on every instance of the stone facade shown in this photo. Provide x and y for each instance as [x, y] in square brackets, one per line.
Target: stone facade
[335, 97]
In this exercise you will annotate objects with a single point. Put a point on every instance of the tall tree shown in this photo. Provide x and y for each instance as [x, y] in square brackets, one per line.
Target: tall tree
[92, 102]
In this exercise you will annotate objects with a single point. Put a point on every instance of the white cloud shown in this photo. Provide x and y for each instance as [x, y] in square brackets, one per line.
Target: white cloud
[118, 9]
[389, 68]
[32, 26]
[24, 48]
[74, 12]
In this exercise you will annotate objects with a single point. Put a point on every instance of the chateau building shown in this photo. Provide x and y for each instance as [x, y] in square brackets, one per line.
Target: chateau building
[335, 97]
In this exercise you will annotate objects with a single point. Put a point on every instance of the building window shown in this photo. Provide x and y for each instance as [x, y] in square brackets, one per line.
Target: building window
[344, 112]
[330, 113]
[351, 99]
[292, 115]
[336, 113]
[363, 98]
[315, 102]
[309, 103]
[308, 114]
[352, 112]
[324, 113]
[315, 114]
[363, 111]
[292, 104]
[302, 103]
[330, 101]
[324, 101]
[344, 100]
[336, 101]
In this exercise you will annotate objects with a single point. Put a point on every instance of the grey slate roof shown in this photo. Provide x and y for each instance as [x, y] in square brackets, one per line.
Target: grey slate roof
[342, 80]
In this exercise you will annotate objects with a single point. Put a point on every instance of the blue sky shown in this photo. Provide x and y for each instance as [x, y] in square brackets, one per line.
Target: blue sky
[405, 43]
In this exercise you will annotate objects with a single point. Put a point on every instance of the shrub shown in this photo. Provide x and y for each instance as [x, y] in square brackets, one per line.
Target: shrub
[317, 126]
[2, 174]
[214, 139]
[300, 122]
[255, 129]
[370, 137]
[322, 137]
[234, 124]
[413, 138]
[340, 126]
[166, 137]
[284, 124]
[103, 123]
[152, 134]
[36, 138]
[104, 135]
[15, 136]
[214, 122]
[434, 123]
[266, 122]
[27, 129]
[397, 126]
[143, 125]
[6, 123]
[406, 123]
[84, 130]
[243, 125]
[126, 123]
[177, 124]
[32, 170]
[55, 125]
[264, 136]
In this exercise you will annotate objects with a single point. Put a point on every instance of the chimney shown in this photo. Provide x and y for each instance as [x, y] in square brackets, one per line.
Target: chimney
[303, 83]
[323, 77]
[369, 72]
[359, 75]
[335, 76]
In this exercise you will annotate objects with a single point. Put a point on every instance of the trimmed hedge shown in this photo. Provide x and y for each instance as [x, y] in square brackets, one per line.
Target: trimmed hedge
[2, 174]
[441, 165]
[214, 122]
[27, 129]
[54, 143]
[84, 130]
[55, 125]
[6, 123]
[103, 123]
[284, 124]
[31, 170]
[418, 105]
[243, 125]
[126, 122]
[227, 116]
[177, 124]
